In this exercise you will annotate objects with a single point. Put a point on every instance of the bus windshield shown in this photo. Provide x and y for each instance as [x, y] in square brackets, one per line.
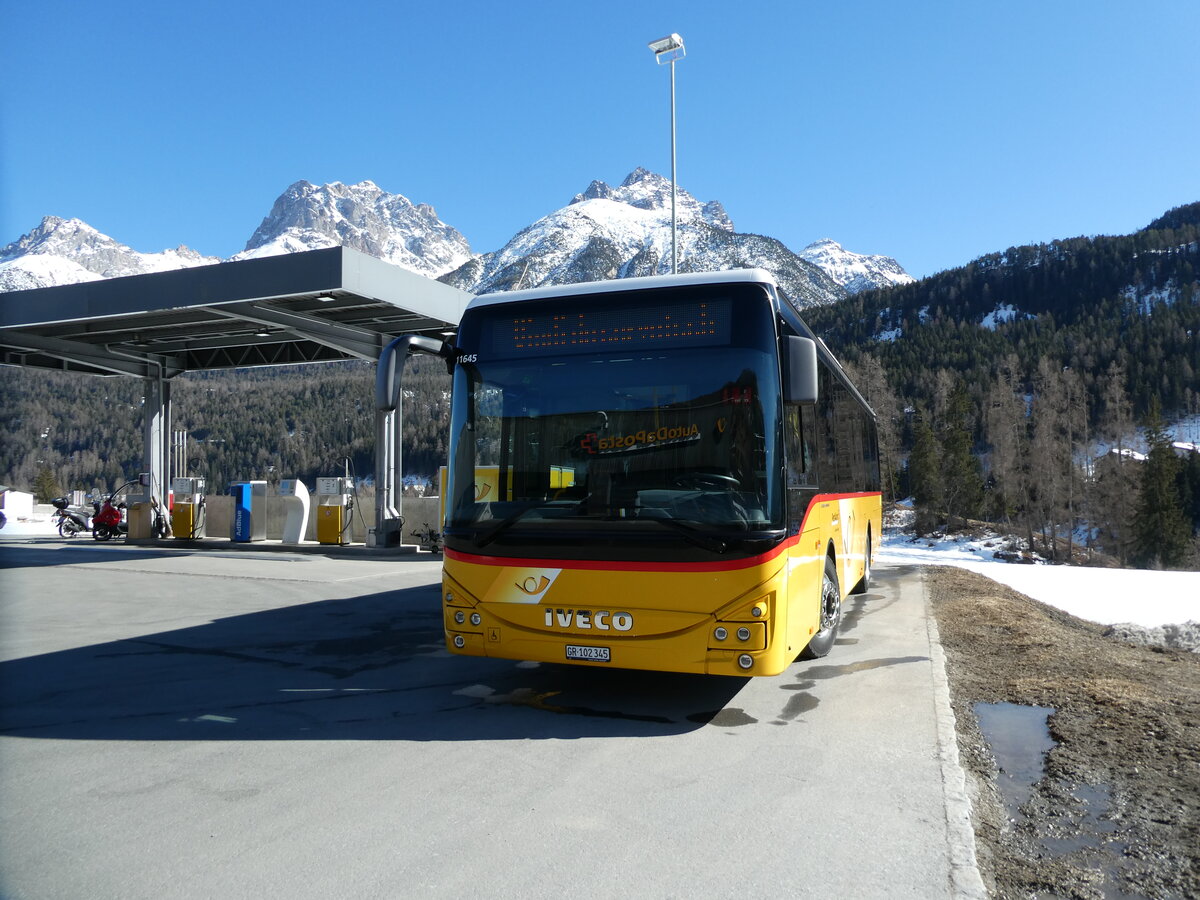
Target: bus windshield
[665, 438]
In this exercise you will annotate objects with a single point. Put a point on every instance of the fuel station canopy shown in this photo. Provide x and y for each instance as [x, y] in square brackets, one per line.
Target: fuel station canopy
[315, 306]
[310, 307]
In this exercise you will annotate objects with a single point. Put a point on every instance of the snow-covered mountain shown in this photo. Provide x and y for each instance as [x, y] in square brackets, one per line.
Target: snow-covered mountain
[364, 217]
[604, 232]
[854, 271]
[67, 251]
[621, 232]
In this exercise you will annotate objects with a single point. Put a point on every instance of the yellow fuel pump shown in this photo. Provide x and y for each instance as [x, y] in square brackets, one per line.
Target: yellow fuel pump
[188, 514]
[334, 507]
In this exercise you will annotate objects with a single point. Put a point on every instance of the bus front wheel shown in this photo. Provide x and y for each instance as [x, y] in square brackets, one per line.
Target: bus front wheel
[831, 614]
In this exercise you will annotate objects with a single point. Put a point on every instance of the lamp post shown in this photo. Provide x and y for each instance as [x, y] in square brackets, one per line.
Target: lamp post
[667, 50]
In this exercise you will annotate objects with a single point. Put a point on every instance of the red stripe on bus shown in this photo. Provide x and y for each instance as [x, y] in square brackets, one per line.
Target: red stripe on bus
[630, 566]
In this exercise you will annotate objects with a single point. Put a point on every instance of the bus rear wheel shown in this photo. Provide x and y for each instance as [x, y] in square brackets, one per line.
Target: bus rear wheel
[865, 585]
[831, 614]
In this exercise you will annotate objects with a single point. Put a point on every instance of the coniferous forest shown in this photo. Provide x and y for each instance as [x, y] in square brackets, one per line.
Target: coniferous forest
[998, 386]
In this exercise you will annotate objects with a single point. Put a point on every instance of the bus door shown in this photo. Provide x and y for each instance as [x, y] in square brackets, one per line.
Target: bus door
[805, 540]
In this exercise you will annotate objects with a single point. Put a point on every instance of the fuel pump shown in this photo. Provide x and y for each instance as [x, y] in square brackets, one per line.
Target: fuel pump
[295, 504]
[189, 514]
[334, 507]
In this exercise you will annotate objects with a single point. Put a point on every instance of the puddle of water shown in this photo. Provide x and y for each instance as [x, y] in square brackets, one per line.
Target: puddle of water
[1020, 739]
[1094, 803]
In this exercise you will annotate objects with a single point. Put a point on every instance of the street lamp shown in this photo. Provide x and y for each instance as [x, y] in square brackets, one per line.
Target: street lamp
[667, 50]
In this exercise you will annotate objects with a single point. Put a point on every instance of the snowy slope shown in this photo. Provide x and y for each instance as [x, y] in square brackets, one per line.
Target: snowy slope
[24, 273]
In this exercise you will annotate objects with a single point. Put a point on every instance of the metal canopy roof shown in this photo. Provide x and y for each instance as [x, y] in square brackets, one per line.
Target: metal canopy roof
[316, 306]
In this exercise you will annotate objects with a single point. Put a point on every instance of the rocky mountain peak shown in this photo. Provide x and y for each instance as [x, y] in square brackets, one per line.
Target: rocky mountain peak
[54, 236]
[622, 232]
[362, 216]
[67, 251]
[643, 189]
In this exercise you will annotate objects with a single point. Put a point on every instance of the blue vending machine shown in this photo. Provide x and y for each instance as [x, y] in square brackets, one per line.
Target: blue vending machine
[249, 521]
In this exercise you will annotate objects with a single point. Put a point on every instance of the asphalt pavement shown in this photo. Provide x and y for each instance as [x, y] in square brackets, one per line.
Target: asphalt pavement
[205, 723]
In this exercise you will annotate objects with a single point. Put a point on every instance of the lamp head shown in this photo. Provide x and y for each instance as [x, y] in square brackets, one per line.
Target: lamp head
[668, 49]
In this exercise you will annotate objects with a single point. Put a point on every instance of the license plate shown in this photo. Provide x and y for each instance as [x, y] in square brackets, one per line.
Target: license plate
[593, 654]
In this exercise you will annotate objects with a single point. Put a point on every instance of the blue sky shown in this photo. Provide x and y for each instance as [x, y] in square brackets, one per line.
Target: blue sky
[933, 132]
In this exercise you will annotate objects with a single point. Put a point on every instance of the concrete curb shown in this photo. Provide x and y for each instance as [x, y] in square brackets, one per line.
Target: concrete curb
[965, 879]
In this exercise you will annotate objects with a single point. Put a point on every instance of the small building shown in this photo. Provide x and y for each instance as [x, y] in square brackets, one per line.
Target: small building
[15, 503]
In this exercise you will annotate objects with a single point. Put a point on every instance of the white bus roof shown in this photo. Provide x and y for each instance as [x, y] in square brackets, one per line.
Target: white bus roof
[729, 276]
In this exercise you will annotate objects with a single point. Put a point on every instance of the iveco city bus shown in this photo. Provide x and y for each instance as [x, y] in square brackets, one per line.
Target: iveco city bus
[665, 473]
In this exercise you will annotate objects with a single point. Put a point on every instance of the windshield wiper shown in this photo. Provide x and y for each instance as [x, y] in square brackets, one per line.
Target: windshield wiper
[690, 533]
[503, 525]
[508, 521]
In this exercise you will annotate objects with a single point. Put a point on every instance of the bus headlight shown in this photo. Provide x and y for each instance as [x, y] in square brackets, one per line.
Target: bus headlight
[460, 641]
[460, 616]
[743, 633]
[476, 618]
[720, 634]
[745, 660]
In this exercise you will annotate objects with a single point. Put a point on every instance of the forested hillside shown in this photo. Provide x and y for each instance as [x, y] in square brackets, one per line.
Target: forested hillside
[1000, 385]
[296, 421]
[1087, 303]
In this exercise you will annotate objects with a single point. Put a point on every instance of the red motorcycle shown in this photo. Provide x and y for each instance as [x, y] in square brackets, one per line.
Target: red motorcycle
[109, 520]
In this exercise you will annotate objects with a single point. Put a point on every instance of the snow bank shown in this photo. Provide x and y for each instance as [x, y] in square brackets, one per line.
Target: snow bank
[1175, 637]
[1108, 596]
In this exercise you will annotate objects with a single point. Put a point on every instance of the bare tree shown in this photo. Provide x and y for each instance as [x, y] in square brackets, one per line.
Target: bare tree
[1006, 430]
[872, 381]
[1116, 473]
[1050, 451]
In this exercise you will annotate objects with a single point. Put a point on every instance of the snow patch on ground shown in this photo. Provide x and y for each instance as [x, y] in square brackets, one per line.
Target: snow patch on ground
[1003, 313]
[29, 526]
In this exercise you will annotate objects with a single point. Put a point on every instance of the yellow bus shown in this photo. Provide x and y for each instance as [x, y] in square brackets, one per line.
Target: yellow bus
[680, 477]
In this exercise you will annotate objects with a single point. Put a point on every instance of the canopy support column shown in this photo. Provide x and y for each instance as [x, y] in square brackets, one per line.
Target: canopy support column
[156, 453]
[389, 431]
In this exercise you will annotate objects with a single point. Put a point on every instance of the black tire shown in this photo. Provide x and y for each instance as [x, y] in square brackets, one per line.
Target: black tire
[67, 528]
[831, 614]
[102, 533]
[864, 584]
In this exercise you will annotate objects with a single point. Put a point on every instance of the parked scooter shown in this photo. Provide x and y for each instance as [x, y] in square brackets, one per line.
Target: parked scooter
[71, 519]
[429, 538]
[109, 520]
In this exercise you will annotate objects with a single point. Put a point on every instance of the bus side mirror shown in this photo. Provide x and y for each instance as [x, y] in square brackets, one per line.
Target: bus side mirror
[387, 370]
[800, 377]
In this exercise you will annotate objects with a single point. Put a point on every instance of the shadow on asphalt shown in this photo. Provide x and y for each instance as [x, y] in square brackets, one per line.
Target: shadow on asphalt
[40, 551]
[57, 552]
[367, 668]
